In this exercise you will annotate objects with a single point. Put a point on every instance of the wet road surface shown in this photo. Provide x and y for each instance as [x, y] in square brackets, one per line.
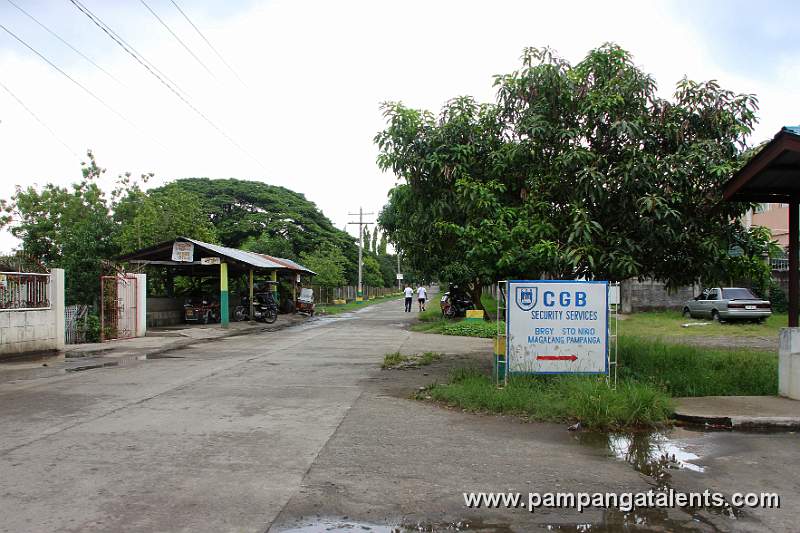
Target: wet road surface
[301, 430]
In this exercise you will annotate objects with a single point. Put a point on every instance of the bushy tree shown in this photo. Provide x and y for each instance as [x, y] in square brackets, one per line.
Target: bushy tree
[575, 171]
[66, 227]
[242, 210]
[162, 216]
[328, 262]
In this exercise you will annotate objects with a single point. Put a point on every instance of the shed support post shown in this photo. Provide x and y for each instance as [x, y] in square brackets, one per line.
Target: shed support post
[794, 287]
[223, 295]
[273, 275]
[251, 311]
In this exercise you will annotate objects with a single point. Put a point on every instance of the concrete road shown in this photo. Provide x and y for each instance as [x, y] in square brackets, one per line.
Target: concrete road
[301, 429]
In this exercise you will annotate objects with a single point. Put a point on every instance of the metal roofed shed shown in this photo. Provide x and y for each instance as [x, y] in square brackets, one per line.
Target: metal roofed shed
[190, 257]
[773, 176]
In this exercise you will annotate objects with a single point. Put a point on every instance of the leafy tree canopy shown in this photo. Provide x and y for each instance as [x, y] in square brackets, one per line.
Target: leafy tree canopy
[328, 262]
[161, 216]
[576, 171]
[256, 214]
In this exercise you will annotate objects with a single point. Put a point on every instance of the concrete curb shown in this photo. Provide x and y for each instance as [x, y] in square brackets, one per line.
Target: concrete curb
[778, 423]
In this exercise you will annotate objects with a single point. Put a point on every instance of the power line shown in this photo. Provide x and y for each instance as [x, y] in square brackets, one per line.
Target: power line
[108, 31]
[54, 34]
[178, 39]
[207, 41]
[123, 43]
[39, 120]
[73, 80]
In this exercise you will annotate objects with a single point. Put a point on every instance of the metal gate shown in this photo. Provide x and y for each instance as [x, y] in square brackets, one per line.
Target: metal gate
[118, 302]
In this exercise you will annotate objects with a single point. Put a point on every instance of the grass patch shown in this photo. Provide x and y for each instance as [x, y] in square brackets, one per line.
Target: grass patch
[650, 373]
[331, 309]
[391, 360]
[684, 370]
[398, 360]
[558, 399]
[668, 324]
[464, 328]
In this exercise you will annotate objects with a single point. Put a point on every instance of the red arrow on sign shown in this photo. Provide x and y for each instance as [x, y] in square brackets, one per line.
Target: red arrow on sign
[556, 357]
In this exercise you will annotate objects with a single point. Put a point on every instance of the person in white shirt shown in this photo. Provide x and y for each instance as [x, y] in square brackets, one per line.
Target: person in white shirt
[422, 296]
[409, 294]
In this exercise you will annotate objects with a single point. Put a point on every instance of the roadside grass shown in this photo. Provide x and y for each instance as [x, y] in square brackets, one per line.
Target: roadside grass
[398, 360]
[557, 399]
[684, 370]
[670, 324]
[431, 321]
[486, 330]
[332, 309]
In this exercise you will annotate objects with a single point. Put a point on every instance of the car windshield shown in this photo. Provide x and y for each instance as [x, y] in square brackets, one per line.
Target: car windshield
[738, 294]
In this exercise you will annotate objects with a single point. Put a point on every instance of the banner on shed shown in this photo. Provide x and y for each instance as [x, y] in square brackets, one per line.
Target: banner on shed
[183, 252]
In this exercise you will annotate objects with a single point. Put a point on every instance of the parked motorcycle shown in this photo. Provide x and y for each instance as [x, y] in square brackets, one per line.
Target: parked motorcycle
[305, 302]
[455, 303]
[264, 308]
[201, 309]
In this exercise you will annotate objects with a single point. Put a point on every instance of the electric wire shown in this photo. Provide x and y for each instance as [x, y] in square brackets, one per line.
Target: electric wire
[108, 31]
[178, 39]
[76, 82]
[123, 43]
[39, 120]
[207, 41]
[54, 34]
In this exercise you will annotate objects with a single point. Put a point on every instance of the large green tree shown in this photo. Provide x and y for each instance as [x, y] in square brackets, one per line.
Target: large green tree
[161, 216]
[255, 214]
[575, 171]
[67, 227]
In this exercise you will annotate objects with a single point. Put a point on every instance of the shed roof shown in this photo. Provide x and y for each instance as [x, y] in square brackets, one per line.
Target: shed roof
[161, 254]
[772, 175]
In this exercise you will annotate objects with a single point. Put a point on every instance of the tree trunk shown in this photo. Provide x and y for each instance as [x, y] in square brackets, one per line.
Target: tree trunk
[476, 291]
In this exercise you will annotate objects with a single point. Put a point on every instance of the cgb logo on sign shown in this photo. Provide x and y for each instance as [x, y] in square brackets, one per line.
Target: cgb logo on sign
[527, 297]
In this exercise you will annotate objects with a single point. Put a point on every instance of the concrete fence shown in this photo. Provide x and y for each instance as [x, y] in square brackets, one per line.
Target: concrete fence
[32, 314]
[328, 294]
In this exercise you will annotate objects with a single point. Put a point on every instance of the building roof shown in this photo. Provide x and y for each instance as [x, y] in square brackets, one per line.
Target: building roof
[161, 254]
[772, 175]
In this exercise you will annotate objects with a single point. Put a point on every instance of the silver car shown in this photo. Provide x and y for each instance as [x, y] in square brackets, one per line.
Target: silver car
[728, 303]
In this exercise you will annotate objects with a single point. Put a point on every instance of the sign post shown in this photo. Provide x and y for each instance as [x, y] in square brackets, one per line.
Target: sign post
[557, 327]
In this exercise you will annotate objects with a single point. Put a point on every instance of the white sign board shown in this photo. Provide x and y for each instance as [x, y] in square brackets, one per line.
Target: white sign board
[399, 276]
[210, 261]
[557, 327]
[183, 252]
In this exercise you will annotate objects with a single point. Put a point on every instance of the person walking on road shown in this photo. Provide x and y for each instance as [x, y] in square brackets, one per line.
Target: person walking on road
[409, 294]
[422, 296]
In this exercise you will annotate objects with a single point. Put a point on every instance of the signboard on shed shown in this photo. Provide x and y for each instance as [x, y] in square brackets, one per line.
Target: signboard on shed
[183, 252]
[210, 261]
[557, 327]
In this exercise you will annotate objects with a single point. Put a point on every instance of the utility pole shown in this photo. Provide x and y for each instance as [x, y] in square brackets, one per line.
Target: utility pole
[361, 224]
[399, 281]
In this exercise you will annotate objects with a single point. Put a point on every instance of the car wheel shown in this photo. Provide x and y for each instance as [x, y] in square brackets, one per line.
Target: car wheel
[686, 313]
[715, 316]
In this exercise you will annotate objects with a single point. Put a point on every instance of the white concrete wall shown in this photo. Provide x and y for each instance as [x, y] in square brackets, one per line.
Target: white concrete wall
[35, 331]
[141, 305]
[789, 363]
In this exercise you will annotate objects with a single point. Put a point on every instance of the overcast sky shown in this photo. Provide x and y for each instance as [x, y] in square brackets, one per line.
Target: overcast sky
[313, 74]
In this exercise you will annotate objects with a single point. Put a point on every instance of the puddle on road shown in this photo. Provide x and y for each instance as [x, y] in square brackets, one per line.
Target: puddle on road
[657, 455]
[654, 454]
[326, 525]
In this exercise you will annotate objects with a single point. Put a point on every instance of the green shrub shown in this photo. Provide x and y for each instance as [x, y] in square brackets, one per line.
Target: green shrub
[469, 328]
[90, 329]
